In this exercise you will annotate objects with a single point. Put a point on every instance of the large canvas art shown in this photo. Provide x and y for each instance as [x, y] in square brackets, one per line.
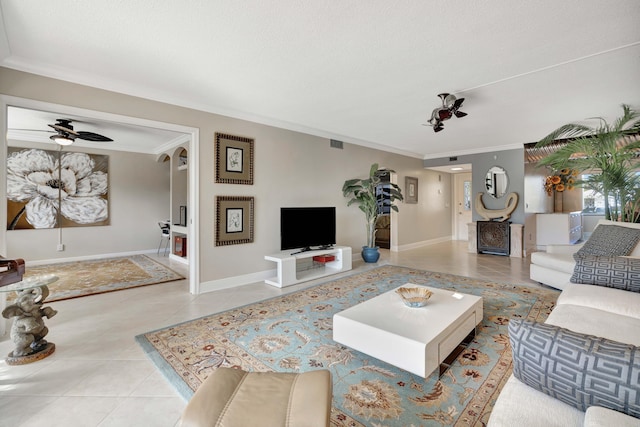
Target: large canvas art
[52, 189]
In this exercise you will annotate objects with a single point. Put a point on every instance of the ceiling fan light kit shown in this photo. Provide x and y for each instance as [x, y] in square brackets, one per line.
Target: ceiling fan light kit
[61, 139]
[450, 107]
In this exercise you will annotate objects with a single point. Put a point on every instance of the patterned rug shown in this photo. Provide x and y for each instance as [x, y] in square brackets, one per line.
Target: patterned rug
[294, 333]
[81, 278]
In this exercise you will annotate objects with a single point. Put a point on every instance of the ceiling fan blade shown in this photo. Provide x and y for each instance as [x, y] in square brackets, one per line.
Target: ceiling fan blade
[458, 103]
[67, 129]
[460, 114]
[90, 136]
[32, 130]
[438, 127]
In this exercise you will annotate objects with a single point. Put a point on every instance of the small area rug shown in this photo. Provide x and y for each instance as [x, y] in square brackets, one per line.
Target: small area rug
[293, 332]
[81, 278]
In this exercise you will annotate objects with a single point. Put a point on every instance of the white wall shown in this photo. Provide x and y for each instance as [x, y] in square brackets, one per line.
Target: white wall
[291, 169]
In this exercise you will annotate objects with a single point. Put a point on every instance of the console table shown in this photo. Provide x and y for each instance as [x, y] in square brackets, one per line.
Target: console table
[294, 268]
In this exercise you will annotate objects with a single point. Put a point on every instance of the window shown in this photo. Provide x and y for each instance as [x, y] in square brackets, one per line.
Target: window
[593, 202]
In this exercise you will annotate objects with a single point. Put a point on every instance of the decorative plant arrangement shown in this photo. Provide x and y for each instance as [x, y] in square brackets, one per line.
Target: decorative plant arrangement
[609, 152]
[560, 181]
[363, 193]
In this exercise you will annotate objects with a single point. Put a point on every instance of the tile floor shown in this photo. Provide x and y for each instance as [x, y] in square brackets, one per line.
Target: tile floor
[99, 376]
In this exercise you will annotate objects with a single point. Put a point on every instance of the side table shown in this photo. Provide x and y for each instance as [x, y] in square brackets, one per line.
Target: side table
[28, 329]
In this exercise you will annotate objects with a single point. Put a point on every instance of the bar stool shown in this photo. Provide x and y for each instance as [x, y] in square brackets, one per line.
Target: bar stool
[165, 235]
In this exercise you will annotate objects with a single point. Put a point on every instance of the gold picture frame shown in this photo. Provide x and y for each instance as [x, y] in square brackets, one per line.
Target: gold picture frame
[234, 159]
[411, 189]
[234, 220]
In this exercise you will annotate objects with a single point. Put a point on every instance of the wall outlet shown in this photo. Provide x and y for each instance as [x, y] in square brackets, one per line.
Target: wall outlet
[60, 247]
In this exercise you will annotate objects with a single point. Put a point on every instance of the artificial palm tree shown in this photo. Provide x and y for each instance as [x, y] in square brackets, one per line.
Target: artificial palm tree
[363, 193]
[606, 149]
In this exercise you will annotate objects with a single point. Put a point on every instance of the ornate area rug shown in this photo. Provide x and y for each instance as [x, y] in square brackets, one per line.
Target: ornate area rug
[294, 333]
[81, 278]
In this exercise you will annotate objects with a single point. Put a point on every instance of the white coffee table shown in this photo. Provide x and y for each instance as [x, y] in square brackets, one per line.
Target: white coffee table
[418, 340]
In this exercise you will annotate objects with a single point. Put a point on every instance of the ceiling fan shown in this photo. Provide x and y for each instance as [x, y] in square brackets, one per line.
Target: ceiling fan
[450, 107]
[66, 135]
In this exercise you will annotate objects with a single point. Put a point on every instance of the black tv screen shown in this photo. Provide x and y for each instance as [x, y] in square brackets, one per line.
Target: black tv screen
[307, 227]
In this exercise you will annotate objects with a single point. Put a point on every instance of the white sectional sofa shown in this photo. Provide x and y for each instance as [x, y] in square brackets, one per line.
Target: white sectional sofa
[585, 309]
[555, 266]
[592, 326]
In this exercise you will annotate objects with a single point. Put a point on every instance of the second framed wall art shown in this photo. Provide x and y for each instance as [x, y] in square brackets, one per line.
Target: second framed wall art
[234, 159]
[234, 220]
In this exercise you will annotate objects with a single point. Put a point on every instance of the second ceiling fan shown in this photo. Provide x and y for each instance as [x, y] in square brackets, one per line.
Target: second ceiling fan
[66, 134]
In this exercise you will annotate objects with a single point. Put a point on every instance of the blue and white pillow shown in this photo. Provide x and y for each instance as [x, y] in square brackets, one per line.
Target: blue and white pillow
[610, 271]
[610, 240]
[577, 369]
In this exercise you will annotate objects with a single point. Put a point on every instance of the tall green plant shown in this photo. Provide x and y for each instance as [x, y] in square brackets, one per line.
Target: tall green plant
[363, 193]
[594, 149]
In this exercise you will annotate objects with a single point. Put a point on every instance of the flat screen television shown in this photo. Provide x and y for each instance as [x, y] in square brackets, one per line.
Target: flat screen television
[306, 228]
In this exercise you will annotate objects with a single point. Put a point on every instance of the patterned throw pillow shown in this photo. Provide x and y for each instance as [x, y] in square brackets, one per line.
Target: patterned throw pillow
[577, 369]
[610, 271]
[610, 240]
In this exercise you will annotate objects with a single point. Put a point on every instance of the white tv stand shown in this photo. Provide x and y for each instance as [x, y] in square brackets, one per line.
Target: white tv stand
[292, 269]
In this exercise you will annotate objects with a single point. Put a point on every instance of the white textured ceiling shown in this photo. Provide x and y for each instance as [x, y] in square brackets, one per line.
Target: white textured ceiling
[363, 71]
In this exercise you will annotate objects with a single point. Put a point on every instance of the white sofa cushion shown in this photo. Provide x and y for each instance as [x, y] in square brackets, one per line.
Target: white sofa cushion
[559, 262]
[612, 300]
[587, 320]
[581, 370]
[520, 405]
[597, 416]
[554, 278]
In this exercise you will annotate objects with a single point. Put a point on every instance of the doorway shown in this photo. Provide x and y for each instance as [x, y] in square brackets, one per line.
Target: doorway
[462, 196]
[191, 134]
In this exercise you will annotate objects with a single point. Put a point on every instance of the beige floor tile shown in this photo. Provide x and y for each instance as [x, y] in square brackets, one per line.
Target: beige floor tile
[146, 411]
[77, 411]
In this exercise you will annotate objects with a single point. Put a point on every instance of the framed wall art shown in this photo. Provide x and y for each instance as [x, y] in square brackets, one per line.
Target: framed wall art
[56, 189]
[411, 189]
[234, 159]
[234, 220]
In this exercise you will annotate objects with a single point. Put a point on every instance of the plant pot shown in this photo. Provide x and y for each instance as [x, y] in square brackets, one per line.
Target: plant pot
[370, 254]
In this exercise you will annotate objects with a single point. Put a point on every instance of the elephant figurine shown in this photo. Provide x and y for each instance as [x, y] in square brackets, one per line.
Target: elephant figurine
[28, 329]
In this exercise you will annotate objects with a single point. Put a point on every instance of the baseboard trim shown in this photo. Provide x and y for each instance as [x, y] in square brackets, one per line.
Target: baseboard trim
[86, 257]
[235, 281]
[421, 244]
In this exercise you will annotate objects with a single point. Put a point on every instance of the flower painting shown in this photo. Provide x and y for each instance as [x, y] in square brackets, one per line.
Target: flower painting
[52, 189]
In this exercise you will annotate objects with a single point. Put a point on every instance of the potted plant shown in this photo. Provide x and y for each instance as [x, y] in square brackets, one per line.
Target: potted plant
[362, 192]
[608, 153]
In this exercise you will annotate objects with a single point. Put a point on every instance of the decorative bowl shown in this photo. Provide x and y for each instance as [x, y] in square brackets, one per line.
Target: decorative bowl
[414, 297]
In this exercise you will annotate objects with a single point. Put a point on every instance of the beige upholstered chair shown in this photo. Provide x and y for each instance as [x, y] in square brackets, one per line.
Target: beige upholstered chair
[235, 398]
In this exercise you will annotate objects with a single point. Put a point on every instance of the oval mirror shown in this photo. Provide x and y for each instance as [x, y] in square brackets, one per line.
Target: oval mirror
[496, 182]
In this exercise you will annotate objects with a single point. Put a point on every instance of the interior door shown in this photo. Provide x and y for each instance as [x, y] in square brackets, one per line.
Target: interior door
[462, 190]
